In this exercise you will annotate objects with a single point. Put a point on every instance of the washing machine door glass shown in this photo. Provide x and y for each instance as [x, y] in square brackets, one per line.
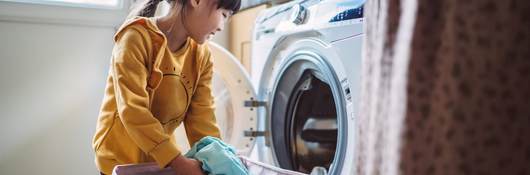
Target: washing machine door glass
[231, 88]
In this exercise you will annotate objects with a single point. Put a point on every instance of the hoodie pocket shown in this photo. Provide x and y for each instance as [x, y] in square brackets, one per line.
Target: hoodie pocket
[170, 99]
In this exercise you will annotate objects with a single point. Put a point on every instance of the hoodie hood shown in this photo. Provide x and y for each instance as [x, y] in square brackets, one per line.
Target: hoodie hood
[141, 21]
[158, 44]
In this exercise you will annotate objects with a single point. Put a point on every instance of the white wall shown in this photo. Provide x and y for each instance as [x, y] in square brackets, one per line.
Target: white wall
[53, 64]
[52, 83]
[52, 77]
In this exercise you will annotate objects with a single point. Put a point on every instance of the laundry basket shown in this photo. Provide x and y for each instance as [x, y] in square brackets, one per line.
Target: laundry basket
[258, 168]
[254, 168]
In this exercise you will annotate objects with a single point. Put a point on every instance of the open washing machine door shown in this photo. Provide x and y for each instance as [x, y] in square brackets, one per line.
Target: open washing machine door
[231, 89]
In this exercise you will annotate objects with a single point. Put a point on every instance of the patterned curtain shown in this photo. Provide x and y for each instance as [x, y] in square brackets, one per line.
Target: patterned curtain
[445, 88]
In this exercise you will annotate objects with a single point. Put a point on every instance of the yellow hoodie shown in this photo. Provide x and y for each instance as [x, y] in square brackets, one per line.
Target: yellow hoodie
[150, 91]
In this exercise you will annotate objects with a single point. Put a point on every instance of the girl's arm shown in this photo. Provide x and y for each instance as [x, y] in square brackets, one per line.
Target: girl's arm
[200, 119]
[130, 81]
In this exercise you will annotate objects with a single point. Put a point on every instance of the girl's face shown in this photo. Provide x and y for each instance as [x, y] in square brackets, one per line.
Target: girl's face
[204, 19]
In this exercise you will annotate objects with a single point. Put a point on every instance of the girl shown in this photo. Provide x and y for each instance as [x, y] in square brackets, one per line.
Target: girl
[160, 76]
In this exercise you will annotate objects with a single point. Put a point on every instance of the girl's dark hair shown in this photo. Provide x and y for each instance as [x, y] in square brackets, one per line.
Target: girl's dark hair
[232, 5]
[149, 8]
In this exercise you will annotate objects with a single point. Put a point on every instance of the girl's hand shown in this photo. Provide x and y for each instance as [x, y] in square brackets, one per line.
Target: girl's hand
[186, 166]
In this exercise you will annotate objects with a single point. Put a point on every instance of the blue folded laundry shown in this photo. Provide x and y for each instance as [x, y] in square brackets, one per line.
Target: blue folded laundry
[217, 157]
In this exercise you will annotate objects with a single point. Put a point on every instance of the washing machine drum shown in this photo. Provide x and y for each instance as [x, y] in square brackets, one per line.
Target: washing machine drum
[305, 117]
[307, 112]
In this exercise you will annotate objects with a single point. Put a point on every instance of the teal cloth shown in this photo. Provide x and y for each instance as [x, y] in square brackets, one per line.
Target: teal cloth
[217, 157]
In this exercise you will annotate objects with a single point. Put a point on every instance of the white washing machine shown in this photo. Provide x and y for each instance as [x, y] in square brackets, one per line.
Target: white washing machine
[297, 110]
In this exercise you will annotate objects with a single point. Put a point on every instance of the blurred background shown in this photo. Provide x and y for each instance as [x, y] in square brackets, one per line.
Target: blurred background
[54, 58]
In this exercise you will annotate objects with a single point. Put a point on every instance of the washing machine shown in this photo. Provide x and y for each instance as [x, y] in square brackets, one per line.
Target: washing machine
[297, 107]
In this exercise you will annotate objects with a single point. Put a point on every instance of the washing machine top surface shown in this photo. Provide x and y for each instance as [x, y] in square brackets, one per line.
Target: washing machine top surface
[303, 15]
[325, 20]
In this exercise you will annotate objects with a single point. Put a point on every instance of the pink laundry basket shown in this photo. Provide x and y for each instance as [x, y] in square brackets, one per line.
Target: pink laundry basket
[254, 168]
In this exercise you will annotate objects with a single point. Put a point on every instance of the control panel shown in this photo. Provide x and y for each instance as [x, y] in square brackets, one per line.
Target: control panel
[300, 15]
[348, 14]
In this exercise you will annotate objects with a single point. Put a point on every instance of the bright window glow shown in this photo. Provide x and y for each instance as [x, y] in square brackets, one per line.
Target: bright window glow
[88, 3]
[92, 2]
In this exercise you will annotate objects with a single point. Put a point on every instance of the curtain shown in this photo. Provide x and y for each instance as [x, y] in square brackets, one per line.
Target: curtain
[445, 88]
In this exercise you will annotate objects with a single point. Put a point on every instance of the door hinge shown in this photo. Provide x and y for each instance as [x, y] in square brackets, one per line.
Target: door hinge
[254, 103]
[254, 133]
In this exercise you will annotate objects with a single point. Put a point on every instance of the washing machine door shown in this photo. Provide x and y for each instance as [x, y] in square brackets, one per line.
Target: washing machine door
[231, 88]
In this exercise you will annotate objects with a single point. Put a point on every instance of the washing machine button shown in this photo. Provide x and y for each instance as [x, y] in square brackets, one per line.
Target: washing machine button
[299, 14]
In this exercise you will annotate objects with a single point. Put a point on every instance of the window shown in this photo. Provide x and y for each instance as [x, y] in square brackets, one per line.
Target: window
[109, 13]
[76, 3]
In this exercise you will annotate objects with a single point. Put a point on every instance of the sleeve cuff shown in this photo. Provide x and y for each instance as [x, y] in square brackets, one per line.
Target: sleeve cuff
[164, 152]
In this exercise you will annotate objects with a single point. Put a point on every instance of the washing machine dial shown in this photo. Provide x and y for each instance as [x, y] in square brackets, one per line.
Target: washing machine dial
[298, 14]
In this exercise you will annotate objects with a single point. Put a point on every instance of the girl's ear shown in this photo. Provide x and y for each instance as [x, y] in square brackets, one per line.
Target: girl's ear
[195, 3]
